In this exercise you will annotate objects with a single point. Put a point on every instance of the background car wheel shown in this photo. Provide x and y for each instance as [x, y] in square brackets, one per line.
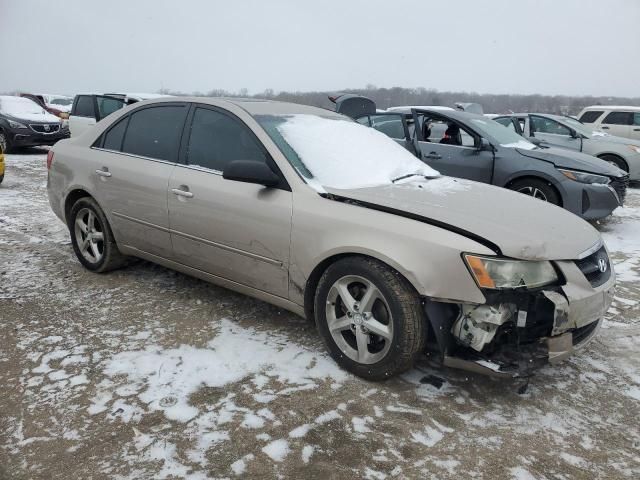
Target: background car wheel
[4, 142]
[369, 317]
[537, 189]
[92, 239]
[616, 161]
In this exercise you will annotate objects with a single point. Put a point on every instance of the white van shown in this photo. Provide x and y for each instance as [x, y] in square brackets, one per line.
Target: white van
[621, 121]
[89, 108]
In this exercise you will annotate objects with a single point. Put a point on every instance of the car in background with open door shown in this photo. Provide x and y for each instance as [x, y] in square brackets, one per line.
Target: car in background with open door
[89, 108]
[571, 134]
[472, 146]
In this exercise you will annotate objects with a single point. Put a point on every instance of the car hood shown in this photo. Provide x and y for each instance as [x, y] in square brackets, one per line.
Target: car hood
[573, 160]
[522, 227]
[598, 136]
[35, 117]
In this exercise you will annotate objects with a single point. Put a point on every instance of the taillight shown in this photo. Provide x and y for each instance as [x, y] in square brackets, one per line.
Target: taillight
[49, 159]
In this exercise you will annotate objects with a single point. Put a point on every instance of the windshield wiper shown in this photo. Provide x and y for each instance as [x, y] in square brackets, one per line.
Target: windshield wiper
[426, 177]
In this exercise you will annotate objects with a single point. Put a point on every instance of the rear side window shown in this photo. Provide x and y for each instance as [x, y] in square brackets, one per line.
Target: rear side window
[216, 139]
[155, 132]
[619, 118]
[591, 116]
[84, 107]
[107, 105]
[115, 135]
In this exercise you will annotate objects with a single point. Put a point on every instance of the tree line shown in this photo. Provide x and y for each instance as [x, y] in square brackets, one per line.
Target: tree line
[396, 96]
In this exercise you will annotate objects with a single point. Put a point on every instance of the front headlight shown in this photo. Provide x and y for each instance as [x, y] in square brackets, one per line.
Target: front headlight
[498, 273]
[584, 177]
[13, 124]
[634, 148]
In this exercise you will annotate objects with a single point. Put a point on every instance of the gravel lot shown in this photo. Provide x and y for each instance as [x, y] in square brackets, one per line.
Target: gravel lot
[146, 373]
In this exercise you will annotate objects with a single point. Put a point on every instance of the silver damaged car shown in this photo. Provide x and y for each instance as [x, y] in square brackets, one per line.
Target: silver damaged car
[306, 209]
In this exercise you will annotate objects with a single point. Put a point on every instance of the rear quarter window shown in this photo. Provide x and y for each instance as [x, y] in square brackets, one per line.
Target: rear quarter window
[619, 118]
[591, 116]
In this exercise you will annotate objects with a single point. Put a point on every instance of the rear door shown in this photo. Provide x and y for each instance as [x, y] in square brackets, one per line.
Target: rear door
[618, 123]
[133, 162]
[635, 128]
[459, 158]
[237, 231]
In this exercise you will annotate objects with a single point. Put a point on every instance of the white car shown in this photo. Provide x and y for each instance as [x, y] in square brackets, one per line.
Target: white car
[89, 108]
[621, 121]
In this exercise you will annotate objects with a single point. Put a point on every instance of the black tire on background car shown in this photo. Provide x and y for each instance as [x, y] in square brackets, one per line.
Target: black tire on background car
[5, 146]
[536, 188]
[616, 161]
[370, 318]
[92, 238]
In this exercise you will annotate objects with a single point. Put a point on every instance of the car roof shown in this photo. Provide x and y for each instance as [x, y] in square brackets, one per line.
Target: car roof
[613, 107]
[407, 108]
[255, 106]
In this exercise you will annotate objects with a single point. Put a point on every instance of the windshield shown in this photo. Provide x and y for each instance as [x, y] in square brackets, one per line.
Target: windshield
[16, 106]
[577, 126]
[504, 136]
[340, 153]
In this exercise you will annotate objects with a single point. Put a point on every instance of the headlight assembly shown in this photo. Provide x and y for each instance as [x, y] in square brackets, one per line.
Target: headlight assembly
[584, 177]
[14, 124]
[498, 273]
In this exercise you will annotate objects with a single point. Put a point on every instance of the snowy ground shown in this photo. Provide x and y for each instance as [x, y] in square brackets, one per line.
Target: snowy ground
[147, 373]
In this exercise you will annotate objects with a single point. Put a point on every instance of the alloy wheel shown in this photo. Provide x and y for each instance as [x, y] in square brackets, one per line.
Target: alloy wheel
[359, 319]
[89, 235]
[533, 192]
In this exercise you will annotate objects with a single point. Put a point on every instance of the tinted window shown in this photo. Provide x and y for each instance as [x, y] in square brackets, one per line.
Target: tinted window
[636, 118]
[546, 125]
[216, 139]
[619, 118]
[107, 105]
[84, 107]
[155, 132]
[390, 125]
[591, 116]
[114, 136]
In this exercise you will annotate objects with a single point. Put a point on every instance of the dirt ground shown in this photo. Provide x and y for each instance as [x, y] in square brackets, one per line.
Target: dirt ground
[146, 373]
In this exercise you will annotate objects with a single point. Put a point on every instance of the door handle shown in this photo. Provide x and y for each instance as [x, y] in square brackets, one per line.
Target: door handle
[103, 172]
[182, 193]
[433, 155]
[604, 128]
[636, 129]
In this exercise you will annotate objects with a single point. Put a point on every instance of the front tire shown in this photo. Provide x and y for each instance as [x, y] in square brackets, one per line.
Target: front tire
[92, 238]
[369, 317]
[616, 162]
[537, 189]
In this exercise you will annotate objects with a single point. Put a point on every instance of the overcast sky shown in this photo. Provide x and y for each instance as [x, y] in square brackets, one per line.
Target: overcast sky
[578, 47]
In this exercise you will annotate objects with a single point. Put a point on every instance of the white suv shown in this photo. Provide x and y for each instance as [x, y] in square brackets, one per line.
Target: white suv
[617, 120]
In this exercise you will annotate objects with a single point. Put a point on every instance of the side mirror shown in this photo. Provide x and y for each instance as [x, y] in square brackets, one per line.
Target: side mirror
[250, 171]
[485, 145]
[574, 134]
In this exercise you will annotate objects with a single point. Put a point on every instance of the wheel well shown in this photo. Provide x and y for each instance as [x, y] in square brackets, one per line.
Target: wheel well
[72, 198]
[316, 274]
[622, 161]
[540, 179]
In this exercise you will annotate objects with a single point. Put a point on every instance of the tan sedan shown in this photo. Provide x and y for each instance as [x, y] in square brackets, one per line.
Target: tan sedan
[305, 209]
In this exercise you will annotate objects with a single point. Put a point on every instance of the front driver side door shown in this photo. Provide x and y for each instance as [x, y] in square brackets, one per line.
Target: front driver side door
[465, 160]
[237, 231]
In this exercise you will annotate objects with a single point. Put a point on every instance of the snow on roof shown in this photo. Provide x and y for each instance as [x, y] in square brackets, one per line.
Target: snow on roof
[629, 108]
[408, 108]
[345, 154]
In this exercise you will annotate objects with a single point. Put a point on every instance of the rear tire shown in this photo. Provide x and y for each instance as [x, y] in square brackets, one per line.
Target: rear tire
[536, 188]
[380, 329]
[616, 161]
[92, 238]
[5, 146]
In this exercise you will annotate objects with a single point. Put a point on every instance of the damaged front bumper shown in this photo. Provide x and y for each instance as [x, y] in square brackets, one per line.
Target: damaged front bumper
[519, 331]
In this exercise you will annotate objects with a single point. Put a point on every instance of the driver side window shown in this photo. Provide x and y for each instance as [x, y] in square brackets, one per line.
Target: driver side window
[436, 130]
[546, 125]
